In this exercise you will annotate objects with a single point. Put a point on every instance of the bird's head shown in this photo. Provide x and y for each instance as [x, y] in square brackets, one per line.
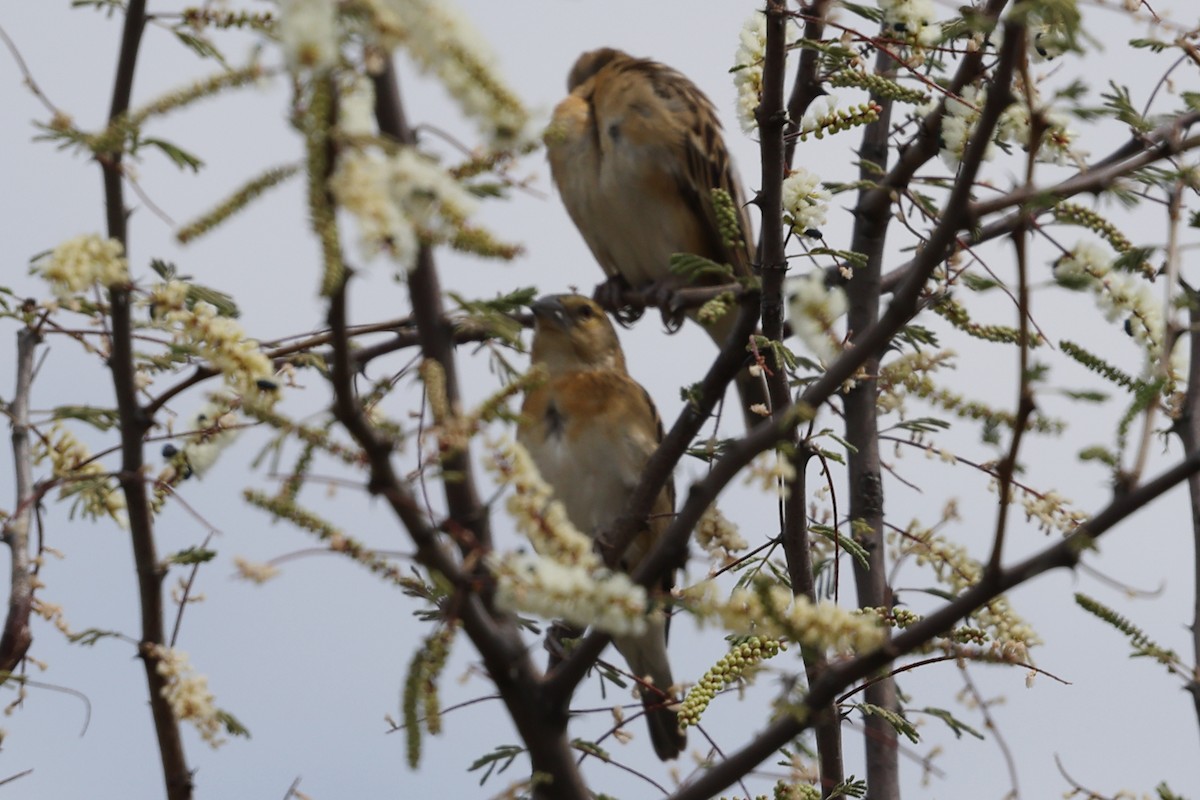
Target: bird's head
[571, 332]
[592, 62]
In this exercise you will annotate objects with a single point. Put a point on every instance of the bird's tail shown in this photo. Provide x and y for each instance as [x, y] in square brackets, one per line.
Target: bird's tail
[647, 658]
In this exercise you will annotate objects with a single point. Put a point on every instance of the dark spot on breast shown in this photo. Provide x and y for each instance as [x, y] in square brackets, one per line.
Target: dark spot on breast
[555, 421]
[614, 131]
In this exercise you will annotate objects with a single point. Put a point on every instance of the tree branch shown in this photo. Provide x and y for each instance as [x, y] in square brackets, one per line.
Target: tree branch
[134, 424]
[807, 87]
[17, 637]
[542, 725]
[839, 677]
[1187, 427]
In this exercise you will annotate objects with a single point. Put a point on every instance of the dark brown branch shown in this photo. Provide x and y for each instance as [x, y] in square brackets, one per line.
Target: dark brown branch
[1161, 143]
[134, 424]
[772, 118]
[1025, 405]
[873, 340]
[17, 637]
[1187, 427]
[542, 725]
[777, 145]
[434, 331]
[924, 146]
[806, 87]
[839, 677]
[827, 723]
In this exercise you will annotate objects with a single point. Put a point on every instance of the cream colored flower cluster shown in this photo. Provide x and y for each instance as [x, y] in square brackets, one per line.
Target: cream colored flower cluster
[442, 40]
[217, 339]
[71, 462]
[188, 694]
[904, 371]
[398, 198]
[608, 601]
[914, 20]
[254, 571]
[1051, 510]
[813, 308]
[538, 515]
[1011, 636]
[1118, 294]
[748, 66]
[209, 432]
[1057, 144]
[82, 262]
[565, 579]
[958, 124]
[53, 613]
[717, 536]
[772, 472]
[805, 201]
[772, 611]
[308, 32]
[962, 115]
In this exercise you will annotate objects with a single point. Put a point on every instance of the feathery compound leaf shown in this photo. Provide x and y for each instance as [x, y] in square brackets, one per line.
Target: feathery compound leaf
[494, 315]
[499, 760]
[1143, 645]
[956, 725]
[1099, 366]
[898, 722]
[179, 157]
[845, 542]
[850, 787]
[192, 555]
[102, 419]
[233, 726]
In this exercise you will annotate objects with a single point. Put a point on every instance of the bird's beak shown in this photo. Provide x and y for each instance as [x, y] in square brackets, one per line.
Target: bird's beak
[549, 310]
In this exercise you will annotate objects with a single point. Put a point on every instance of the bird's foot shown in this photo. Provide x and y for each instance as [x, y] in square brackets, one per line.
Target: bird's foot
[670, 305]
[611, 297]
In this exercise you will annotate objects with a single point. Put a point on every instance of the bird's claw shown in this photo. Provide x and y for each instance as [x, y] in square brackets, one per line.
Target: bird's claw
[611, 297]
[670, 306]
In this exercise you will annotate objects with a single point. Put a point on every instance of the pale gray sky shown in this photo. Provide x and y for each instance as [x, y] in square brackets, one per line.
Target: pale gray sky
[313, 661]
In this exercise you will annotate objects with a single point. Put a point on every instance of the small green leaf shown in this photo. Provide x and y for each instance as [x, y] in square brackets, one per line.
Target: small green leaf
[506, 753]
[958, 726]
[89, 637]
[180, 157]
[848, 544]
[591, 748]
[233, 726]
[921, 425]
[897, 721]
[193, 555]
[198, 44]
[102, 419]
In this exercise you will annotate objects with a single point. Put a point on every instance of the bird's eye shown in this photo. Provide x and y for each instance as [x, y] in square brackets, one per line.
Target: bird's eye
[586, 312]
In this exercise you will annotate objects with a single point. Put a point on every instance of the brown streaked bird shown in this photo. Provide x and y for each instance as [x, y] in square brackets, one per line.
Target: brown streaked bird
[636, 150]
[590, 428]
